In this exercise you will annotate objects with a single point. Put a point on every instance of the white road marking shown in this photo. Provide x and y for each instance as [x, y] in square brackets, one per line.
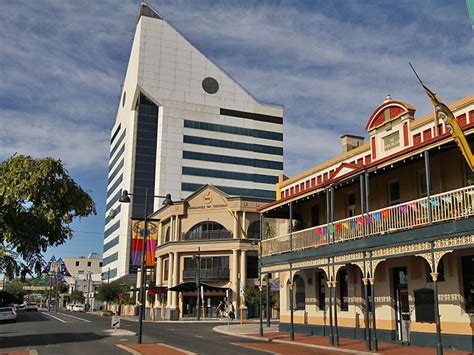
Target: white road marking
[59, 319]
[68, 315]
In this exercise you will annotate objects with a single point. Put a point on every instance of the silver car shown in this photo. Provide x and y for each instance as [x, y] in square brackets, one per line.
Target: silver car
[7, 314]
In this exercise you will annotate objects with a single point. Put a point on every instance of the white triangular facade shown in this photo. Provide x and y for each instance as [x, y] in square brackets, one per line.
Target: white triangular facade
[226, 138]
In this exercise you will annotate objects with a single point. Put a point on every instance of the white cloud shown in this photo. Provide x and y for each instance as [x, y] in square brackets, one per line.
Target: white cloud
[79, 146]
[331, 65]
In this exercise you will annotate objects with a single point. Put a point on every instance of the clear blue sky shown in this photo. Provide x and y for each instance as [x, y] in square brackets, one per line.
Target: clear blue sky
[331, 63]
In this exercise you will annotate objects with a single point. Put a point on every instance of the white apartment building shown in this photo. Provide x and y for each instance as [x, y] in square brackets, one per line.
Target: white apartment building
[182, 122]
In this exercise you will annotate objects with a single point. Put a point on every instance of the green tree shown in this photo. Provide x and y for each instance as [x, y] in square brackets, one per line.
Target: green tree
[252, 295]
[110, 292]
[77, 296]
[269, 228]
[62, 287]
[15, 289]
[38, 202]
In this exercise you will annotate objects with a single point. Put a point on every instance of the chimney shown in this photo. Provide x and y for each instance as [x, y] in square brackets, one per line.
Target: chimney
[350, 142]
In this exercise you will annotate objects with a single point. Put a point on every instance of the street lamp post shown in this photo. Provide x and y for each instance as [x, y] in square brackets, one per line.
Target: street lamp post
[88, 291]
[167, 202]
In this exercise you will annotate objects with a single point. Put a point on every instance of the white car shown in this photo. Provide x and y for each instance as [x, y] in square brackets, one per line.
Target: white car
[78, 308]
[31, 306]
[7, 314]
[19, 307]
[69, 306]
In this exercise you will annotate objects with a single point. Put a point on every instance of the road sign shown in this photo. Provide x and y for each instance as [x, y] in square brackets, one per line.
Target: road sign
[115, 322]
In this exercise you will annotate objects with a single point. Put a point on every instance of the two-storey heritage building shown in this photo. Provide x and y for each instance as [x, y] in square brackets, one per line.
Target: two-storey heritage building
[209, 238]
[382, 236]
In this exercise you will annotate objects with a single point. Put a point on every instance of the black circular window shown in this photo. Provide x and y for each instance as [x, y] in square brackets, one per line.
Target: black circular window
[210, 85]
[124, 98]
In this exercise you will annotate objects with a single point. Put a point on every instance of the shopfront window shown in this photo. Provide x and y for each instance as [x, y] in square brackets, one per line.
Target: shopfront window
[300, 293]
[467, 263]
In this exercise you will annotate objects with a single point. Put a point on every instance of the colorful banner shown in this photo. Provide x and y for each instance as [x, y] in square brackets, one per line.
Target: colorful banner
[56, 267]
[138, 232]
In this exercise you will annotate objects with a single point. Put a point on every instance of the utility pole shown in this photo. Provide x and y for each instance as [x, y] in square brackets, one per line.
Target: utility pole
[88, 290]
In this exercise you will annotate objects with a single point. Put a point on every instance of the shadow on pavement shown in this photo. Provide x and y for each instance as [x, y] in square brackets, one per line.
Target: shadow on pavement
[46, 339]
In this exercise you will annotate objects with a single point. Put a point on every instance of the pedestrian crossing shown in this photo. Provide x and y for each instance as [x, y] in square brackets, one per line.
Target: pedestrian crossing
[65, 318]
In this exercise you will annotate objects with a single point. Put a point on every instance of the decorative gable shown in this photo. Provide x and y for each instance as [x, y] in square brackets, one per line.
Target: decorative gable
[208, 197]
[389, 111]
[343, 170]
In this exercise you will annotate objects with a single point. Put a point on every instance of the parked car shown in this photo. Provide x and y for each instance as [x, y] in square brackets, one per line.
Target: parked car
[78, 308]
[19, 307]
[7, 314]
[69, 306]
[31, 306]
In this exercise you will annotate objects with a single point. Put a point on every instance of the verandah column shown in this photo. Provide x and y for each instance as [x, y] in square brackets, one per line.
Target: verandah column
[334, 282]
[292, 324]
[372, 289]
[329, 284]
[175, 278]
[234, 277]
[434, 276]
[365, 278]
[170, 280]
[158, 280]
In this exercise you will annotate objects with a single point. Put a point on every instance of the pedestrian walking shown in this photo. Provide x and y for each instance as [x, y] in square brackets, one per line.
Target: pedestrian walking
[220, 310]
[230, 311]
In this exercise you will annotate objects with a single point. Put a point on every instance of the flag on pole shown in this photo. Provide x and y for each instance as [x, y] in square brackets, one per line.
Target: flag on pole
[47, 269]
[444, 113]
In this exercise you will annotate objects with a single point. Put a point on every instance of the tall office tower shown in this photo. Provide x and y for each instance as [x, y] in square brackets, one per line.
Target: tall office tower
[182, 122]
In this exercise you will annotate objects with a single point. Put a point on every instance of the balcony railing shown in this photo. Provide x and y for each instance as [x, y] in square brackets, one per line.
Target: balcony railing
[445, 206]
[207, 274]
[199, 235]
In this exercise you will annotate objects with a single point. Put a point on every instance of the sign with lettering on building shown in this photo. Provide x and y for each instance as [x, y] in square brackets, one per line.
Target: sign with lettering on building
[391, 141]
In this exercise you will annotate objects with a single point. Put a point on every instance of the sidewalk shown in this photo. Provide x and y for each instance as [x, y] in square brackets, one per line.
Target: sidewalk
[354, 346]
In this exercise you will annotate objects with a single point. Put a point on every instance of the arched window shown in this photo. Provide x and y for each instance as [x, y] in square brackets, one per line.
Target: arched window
[300, 294]
[168, 235]
[207, 230]
[254, 230]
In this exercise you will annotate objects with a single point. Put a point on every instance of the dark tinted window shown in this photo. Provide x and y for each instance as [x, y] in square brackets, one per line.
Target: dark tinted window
[258, 163]
[252, 267]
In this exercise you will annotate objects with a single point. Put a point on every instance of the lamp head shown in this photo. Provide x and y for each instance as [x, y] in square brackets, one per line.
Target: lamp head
[167, 201]
[124, 198]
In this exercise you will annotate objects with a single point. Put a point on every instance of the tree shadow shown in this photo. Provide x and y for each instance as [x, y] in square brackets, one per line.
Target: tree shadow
[47, 339]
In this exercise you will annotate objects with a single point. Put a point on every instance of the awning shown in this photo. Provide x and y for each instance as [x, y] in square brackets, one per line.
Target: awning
[156, 290]
[191, 287]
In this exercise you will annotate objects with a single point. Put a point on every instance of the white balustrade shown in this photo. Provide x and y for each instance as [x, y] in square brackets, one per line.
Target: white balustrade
[445, 206]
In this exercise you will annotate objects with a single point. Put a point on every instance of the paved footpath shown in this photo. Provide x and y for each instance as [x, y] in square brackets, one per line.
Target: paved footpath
[280, 343]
